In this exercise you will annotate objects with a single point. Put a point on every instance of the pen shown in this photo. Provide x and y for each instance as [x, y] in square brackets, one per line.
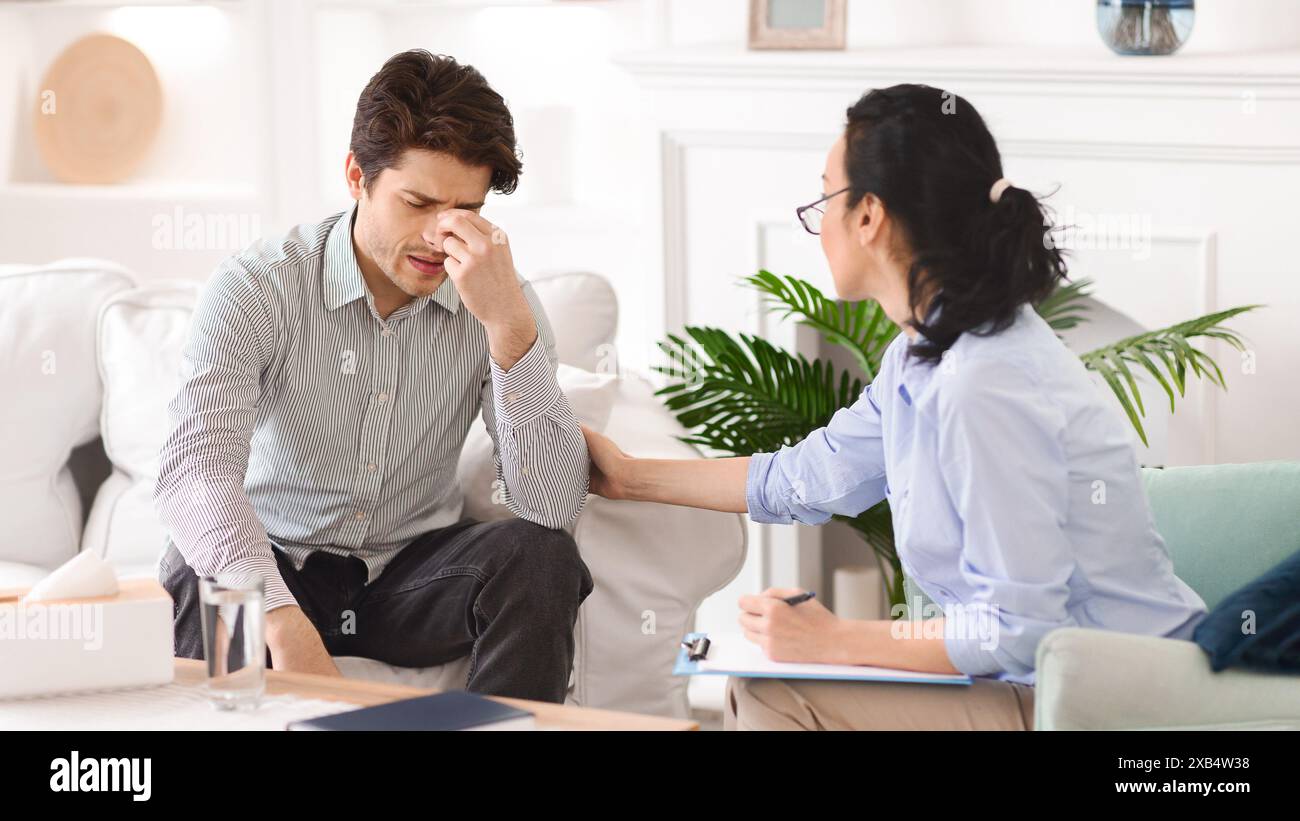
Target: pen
[799, 599]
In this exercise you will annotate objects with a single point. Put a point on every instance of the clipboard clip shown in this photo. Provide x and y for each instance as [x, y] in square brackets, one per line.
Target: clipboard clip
[697, 649]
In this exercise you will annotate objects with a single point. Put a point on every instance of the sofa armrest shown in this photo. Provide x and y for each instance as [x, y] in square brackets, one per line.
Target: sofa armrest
[652, 565]
[1103, 680]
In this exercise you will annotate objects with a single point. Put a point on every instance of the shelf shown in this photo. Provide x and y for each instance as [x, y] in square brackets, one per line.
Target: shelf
[113, 4]
[429, 5]
[134, 191]
[734, 63]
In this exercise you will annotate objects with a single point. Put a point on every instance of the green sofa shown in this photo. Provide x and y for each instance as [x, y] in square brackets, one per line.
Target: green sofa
[1224, 525]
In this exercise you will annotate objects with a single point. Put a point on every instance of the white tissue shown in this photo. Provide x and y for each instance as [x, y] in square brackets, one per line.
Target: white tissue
[83, 576]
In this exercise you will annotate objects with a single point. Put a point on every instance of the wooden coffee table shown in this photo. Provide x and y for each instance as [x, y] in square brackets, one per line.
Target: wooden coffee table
[368, 693]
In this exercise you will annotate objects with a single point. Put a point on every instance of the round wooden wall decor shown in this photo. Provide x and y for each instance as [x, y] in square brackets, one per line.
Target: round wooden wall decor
[98, 110]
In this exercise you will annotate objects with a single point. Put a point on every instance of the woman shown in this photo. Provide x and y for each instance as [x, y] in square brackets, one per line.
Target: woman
[1016, 498]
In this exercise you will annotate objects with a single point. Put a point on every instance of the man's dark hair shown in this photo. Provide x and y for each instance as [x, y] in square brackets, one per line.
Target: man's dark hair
[432, 102]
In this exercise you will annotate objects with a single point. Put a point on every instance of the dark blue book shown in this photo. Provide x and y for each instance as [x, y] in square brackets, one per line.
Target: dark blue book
[452, 710]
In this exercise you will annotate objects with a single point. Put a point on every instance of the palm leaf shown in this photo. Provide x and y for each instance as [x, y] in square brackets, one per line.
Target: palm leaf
[860, 327]
[1063, 308]
[1167, 355]
[745, 395]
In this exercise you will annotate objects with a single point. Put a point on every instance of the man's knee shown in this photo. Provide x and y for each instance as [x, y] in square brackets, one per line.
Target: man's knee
[545, 561]
[546, 556]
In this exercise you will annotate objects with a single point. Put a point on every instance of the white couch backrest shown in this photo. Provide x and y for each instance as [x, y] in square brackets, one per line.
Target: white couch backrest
[583, 311]
[51, 400]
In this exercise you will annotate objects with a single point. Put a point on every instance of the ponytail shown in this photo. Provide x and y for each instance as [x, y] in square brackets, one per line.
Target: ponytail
[979, 245]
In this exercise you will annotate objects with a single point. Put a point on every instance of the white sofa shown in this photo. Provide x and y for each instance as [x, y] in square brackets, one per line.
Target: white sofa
[92, 357]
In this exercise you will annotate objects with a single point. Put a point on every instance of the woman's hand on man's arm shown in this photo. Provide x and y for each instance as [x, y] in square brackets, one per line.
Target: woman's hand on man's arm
[712, 484]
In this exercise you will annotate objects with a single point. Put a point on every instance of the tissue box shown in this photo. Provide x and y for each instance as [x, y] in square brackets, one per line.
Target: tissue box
[103, 642]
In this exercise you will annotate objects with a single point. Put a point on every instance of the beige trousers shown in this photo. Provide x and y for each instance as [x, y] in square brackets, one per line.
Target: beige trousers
[790, 704]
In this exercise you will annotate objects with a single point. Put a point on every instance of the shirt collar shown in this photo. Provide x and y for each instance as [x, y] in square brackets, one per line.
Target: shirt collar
[344, 282]
[447, 296]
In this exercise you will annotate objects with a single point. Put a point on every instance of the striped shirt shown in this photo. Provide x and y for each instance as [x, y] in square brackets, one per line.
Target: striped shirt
[306, 421]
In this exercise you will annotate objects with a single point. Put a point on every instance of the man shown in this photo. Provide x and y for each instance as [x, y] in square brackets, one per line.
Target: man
[330, 379]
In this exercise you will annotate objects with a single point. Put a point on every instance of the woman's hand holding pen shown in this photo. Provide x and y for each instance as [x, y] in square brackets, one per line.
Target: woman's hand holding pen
[803, 631]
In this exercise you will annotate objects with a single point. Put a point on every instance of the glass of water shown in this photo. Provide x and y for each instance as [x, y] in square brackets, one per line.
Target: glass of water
[234, 638]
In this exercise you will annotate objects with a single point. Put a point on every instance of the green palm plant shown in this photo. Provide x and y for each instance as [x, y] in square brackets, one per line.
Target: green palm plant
[740, 394]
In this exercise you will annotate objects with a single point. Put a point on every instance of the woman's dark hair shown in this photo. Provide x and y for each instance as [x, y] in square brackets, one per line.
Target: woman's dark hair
[423, 100]
[928, 156]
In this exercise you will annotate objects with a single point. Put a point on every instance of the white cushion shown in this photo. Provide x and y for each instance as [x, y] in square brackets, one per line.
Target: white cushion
[583, 312]
[123, 527]
[52, 399]
[591, 395]
[141, 335]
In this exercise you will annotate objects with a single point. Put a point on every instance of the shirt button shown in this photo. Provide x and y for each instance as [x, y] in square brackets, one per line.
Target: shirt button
[383, 397]
[512, 398]
[361, 514]
[388, 332]
[371, 467]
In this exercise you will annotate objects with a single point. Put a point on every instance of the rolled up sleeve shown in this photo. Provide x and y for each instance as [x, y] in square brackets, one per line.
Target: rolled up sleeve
[839, 468]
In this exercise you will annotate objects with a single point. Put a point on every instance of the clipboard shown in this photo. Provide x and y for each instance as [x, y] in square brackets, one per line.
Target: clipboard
[731, 654]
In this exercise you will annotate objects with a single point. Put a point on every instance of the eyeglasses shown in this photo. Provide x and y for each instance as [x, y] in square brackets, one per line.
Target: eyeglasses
[811, 214]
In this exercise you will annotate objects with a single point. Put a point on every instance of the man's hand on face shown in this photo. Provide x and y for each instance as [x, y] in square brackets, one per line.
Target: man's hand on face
[481, 266]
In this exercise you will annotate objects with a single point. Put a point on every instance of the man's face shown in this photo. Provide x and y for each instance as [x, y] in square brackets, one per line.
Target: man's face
[397, 218]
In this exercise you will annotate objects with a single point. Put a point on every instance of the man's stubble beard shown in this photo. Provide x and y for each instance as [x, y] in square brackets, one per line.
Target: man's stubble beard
[380, 253]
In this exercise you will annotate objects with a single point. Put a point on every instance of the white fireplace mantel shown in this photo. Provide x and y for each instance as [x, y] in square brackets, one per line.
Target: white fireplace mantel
[1278, 73]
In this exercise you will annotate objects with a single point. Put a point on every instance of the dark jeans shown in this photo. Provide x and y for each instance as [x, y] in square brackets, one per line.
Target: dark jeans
[504, 593]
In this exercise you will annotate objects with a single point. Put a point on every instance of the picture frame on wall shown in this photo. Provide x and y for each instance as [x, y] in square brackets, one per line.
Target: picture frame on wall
[797, 24]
